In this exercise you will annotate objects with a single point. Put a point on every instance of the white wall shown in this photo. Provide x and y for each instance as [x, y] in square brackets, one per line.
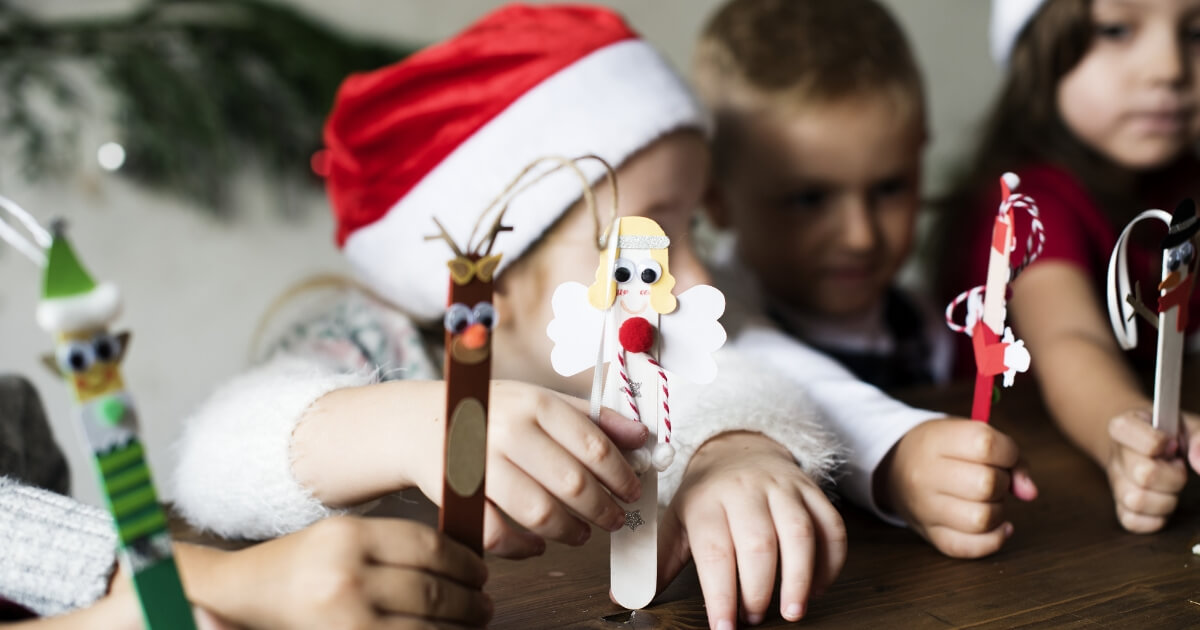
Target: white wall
[195, 288]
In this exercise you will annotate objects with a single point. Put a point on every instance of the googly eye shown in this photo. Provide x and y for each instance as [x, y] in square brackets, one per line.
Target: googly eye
[1186, 252]
[106, 347]
[458, 317]
[485, 314]
[623, 271]
[76, 356]
[651, 271]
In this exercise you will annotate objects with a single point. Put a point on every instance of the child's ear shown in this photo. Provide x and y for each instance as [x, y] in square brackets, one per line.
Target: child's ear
[714, 205]
[502, 302]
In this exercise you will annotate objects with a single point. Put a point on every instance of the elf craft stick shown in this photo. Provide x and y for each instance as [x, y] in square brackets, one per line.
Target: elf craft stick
[77, 312]
[1179, 268]
[997, 352]
[630, 319]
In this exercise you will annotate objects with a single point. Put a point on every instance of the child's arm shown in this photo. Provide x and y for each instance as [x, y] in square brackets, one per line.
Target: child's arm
[1094, 395]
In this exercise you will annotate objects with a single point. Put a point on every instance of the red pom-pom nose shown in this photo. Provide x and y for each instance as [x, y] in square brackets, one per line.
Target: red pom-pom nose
[636, 335]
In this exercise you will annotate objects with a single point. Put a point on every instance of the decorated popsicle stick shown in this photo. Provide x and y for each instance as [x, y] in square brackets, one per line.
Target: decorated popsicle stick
[77, 312]
[630, 320]
[997, 352]
[468, 322]
[1179, 268]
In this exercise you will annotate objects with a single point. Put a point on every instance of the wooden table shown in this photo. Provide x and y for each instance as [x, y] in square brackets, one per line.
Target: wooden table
[1068, 565]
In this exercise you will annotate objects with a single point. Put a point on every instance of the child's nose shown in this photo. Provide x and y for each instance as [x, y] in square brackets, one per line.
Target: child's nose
[1164, 58]
[858, 226]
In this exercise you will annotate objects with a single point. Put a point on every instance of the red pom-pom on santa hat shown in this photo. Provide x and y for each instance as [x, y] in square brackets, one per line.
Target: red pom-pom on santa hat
[636, 335]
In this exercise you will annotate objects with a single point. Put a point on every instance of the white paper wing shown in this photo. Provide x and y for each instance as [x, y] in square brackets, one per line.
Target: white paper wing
[693, 333]
[575, 329]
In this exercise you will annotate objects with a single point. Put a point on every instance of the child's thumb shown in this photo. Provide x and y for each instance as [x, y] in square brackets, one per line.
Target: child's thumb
[1022, 483]
[673, 551]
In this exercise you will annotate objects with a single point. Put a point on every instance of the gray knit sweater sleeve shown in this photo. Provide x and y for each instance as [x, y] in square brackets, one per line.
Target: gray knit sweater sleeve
[58, 554]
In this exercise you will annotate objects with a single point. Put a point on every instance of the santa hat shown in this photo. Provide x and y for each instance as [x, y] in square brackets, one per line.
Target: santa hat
[71, 299]
[1009, 19]
[441, 133]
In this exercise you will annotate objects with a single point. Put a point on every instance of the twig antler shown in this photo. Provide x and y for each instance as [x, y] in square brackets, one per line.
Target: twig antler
[445, 236]
[1139, 307]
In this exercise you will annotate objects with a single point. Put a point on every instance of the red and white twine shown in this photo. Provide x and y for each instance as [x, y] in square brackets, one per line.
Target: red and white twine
[1033, 249]
[631, 398]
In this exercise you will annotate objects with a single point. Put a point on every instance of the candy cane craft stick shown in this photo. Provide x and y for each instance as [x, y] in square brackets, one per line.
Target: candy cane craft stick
[77, 312]
[996, 350]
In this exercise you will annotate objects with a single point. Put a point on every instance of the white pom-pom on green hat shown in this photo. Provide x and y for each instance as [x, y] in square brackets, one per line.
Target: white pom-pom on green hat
[71, 299]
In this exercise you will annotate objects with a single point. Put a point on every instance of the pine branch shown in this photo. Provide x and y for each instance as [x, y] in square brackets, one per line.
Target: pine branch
[201, 87]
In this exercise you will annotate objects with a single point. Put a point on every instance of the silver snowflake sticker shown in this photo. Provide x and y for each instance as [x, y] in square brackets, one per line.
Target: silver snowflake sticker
[633, 520]
[636, 388]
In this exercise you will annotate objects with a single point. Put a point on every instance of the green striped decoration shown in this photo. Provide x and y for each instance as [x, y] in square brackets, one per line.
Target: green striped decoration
[130, 494]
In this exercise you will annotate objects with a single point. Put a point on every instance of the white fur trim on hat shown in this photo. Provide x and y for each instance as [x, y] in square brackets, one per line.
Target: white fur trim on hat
[1009, 18]
[611, 103]
[80, 312]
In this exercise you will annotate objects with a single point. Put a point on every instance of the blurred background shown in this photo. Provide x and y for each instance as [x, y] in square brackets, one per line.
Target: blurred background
[176, 137]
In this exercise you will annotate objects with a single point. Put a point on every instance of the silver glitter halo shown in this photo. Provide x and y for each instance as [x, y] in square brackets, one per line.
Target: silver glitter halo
[642, 241]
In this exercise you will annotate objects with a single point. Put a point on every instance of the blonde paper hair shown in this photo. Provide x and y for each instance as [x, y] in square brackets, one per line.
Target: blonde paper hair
[603, 291]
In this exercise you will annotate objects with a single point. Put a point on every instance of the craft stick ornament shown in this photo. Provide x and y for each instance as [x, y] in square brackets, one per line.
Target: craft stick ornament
[630, 319]
[77, 312]
[997, 352]
[468, 321]
[1179, 268]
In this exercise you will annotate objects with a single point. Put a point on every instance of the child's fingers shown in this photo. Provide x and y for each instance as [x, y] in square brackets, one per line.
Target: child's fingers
[978, 442]
[1150, 473]
[831, 537]
[398, 591]
[503, 539]
[756, 548]
[591, 447]
[565, 477]
[958, 544]
[1133, 431]
[531, 506]
[797, 545]
[971, 481]
[1139, 523]
[1022, 483]
[1189, 437]
[625, 433]
[713, 552]
[969, 517]
[408, 544]
[208, 621]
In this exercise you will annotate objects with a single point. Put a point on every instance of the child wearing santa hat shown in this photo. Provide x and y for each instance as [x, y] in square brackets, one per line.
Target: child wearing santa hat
[351, 409]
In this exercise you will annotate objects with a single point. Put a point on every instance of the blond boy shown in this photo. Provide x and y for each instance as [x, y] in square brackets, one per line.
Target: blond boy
[820, 127]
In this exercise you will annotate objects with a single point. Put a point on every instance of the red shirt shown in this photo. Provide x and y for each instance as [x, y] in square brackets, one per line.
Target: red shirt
[1078, 233]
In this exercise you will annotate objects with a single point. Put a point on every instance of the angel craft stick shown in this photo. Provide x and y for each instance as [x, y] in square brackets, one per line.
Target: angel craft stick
[77, 312]
[1179, 269]
[630, 319]
[997, 352]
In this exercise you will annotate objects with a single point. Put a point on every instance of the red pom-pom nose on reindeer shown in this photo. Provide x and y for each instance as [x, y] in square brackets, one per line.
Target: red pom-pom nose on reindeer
[636, 335]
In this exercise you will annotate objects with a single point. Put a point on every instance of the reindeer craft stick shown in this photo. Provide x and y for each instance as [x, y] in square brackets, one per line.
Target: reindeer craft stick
[1179, 268]
[630, 319]
[77, 312]
[997, 352]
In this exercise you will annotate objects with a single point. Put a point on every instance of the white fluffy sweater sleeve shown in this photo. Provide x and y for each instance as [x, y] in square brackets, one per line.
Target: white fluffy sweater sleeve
[234, 474]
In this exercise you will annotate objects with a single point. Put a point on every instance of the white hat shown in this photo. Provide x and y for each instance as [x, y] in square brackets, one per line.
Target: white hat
[1009, 18]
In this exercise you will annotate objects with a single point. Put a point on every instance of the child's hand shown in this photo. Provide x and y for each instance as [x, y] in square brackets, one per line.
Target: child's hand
[742, 505]
[1144, 469]
[948, 478]
[346, 572]
[551, 469]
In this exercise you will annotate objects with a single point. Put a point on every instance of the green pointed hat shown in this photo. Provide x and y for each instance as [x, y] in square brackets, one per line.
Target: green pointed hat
[71, 299]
